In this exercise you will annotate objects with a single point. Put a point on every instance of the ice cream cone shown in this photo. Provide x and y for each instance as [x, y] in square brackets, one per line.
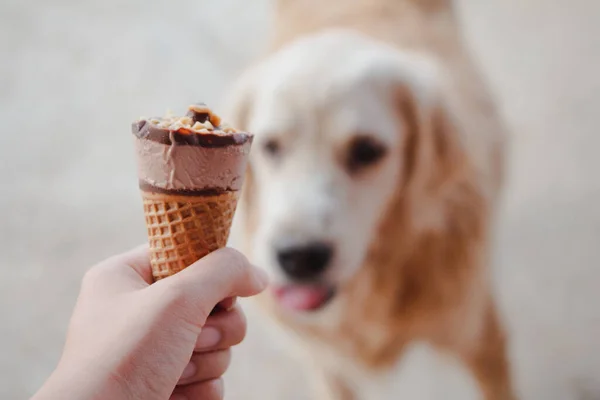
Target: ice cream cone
[183, 229]
[191, 172]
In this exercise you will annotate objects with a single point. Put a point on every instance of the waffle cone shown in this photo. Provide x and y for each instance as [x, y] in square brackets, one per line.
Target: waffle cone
[183, 229]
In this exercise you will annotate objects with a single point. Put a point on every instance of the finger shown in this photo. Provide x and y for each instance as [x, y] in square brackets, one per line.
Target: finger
[197, 289]
[222, 330]
[206, 366]
[210, 390]
[138, 259]
[126, 271]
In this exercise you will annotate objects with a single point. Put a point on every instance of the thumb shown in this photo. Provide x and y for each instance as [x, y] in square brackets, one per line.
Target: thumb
[221, 274]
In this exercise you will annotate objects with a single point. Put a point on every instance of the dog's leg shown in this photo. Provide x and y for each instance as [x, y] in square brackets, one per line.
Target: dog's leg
[488, 359]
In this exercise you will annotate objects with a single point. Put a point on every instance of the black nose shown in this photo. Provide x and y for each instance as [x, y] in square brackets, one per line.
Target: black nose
[305, 262]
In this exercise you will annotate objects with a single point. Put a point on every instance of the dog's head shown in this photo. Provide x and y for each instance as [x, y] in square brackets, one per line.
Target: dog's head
[332, 116]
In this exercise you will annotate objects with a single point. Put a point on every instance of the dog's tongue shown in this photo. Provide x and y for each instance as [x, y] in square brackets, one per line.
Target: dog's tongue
[302, 297]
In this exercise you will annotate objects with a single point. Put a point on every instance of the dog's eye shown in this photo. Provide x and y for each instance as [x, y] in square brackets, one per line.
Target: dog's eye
[363, 152]
[272, 147]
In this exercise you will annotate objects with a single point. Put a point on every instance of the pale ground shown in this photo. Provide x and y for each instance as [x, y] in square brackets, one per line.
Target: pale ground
[73, 74]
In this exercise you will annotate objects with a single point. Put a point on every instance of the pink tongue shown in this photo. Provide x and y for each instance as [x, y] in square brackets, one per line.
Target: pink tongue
[302, 298]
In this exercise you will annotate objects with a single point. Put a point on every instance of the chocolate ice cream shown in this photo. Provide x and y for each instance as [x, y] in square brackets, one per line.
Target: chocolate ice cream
[189, 155]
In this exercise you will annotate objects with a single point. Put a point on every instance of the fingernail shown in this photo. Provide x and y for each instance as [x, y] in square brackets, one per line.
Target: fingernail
[209, 337]
[231, 304]
[188, 371]
[228, 304]
[261, 277]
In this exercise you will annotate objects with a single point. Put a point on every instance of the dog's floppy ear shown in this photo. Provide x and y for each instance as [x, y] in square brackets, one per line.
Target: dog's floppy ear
[431, 146]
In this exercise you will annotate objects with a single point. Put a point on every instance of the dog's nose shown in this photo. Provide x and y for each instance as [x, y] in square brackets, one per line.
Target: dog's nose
[305, 262]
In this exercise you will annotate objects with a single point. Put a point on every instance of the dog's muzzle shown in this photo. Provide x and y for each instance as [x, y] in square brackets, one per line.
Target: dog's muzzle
[305, 267]
[305, 263]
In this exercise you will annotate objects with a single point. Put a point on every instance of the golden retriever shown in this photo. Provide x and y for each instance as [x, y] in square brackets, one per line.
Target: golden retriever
[371, 192]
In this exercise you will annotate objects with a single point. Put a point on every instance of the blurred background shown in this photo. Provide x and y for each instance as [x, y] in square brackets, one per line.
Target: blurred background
[74, 74]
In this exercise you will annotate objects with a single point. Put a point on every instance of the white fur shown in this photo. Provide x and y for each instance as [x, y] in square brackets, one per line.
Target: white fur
[422, 373]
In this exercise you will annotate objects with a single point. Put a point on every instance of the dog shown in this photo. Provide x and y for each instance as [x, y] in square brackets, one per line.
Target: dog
[374, 180]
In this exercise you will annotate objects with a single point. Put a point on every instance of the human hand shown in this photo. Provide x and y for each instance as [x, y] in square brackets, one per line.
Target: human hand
[128, 339]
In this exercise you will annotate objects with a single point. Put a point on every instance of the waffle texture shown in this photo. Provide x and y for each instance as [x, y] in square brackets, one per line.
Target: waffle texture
[183, 229]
